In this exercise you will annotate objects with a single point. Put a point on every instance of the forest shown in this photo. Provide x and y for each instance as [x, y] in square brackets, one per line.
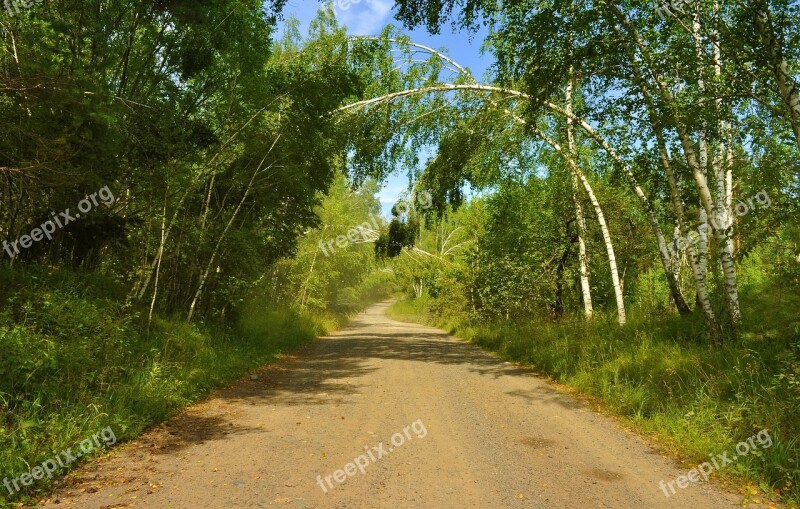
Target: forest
[190, 189]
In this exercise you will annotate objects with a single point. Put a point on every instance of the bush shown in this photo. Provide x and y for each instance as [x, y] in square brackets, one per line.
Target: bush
[657, 373]
[75, 362]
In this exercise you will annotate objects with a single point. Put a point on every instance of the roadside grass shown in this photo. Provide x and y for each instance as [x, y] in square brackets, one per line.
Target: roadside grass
[658, 374]
[76, 359]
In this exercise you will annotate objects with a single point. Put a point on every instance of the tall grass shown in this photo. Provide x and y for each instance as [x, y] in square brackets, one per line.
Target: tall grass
[76, 358]
[657, 372]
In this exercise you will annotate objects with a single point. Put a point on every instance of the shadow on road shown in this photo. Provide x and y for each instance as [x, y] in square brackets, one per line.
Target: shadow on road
[329, 368]
[327, 371]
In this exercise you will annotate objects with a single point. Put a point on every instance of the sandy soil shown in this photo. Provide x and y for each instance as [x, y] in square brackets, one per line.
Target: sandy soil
[494, 436]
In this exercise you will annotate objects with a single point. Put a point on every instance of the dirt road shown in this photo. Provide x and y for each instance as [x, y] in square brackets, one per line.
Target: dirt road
[458, 428]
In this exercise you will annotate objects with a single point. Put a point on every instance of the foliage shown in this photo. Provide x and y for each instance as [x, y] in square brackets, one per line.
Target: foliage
[654, 372]
[585, 173]
[77, 359]
[216, 148]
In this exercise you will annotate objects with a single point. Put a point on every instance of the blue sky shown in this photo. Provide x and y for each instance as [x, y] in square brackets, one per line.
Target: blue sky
[369, 17]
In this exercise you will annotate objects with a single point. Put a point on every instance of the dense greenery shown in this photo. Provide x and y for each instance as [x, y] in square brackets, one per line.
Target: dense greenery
[640, 159]
[218, 170]
[215, 147]
[77, 359]
[496, 274]
[693, 400]
[618, 164]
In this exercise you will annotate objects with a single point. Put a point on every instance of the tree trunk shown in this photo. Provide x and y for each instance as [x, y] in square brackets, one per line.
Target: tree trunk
[777, 62]
[695, 160]
[158, 265]
[721, 224]
[311, 269]
[210, 264]
[698, 269]
[572, 162]
[723, 178]
[561, 268]
[162, 244]
[583, 258]
[612, 259]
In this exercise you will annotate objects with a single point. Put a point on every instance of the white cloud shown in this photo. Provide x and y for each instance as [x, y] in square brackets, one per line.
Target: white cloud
[363, 17]
[390, 194]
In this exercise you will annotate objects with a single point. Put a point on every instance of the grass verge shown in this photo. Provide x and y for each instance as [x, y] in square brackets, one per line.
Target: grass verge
[694, 400]
[76, 359]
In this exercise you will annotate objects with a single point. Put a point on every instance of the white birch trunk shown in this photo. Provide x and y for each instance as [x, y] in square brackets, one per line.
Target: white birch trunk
[698, 169]
[612, 259]
[571, 158]
[209, 266]
[787, 86]
[158, 265]
[698, 273]
[721, 217]
[583, 258]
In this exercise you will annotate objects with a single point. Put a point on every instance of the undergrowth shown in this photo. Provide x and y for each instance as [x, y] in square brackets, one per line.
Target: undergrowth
[658, 372]
[76, 358]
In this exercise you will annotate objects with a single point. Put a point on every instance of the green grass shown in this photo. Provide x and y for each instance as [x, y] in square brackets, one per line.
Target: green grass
[658, 373]
[75, 359]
